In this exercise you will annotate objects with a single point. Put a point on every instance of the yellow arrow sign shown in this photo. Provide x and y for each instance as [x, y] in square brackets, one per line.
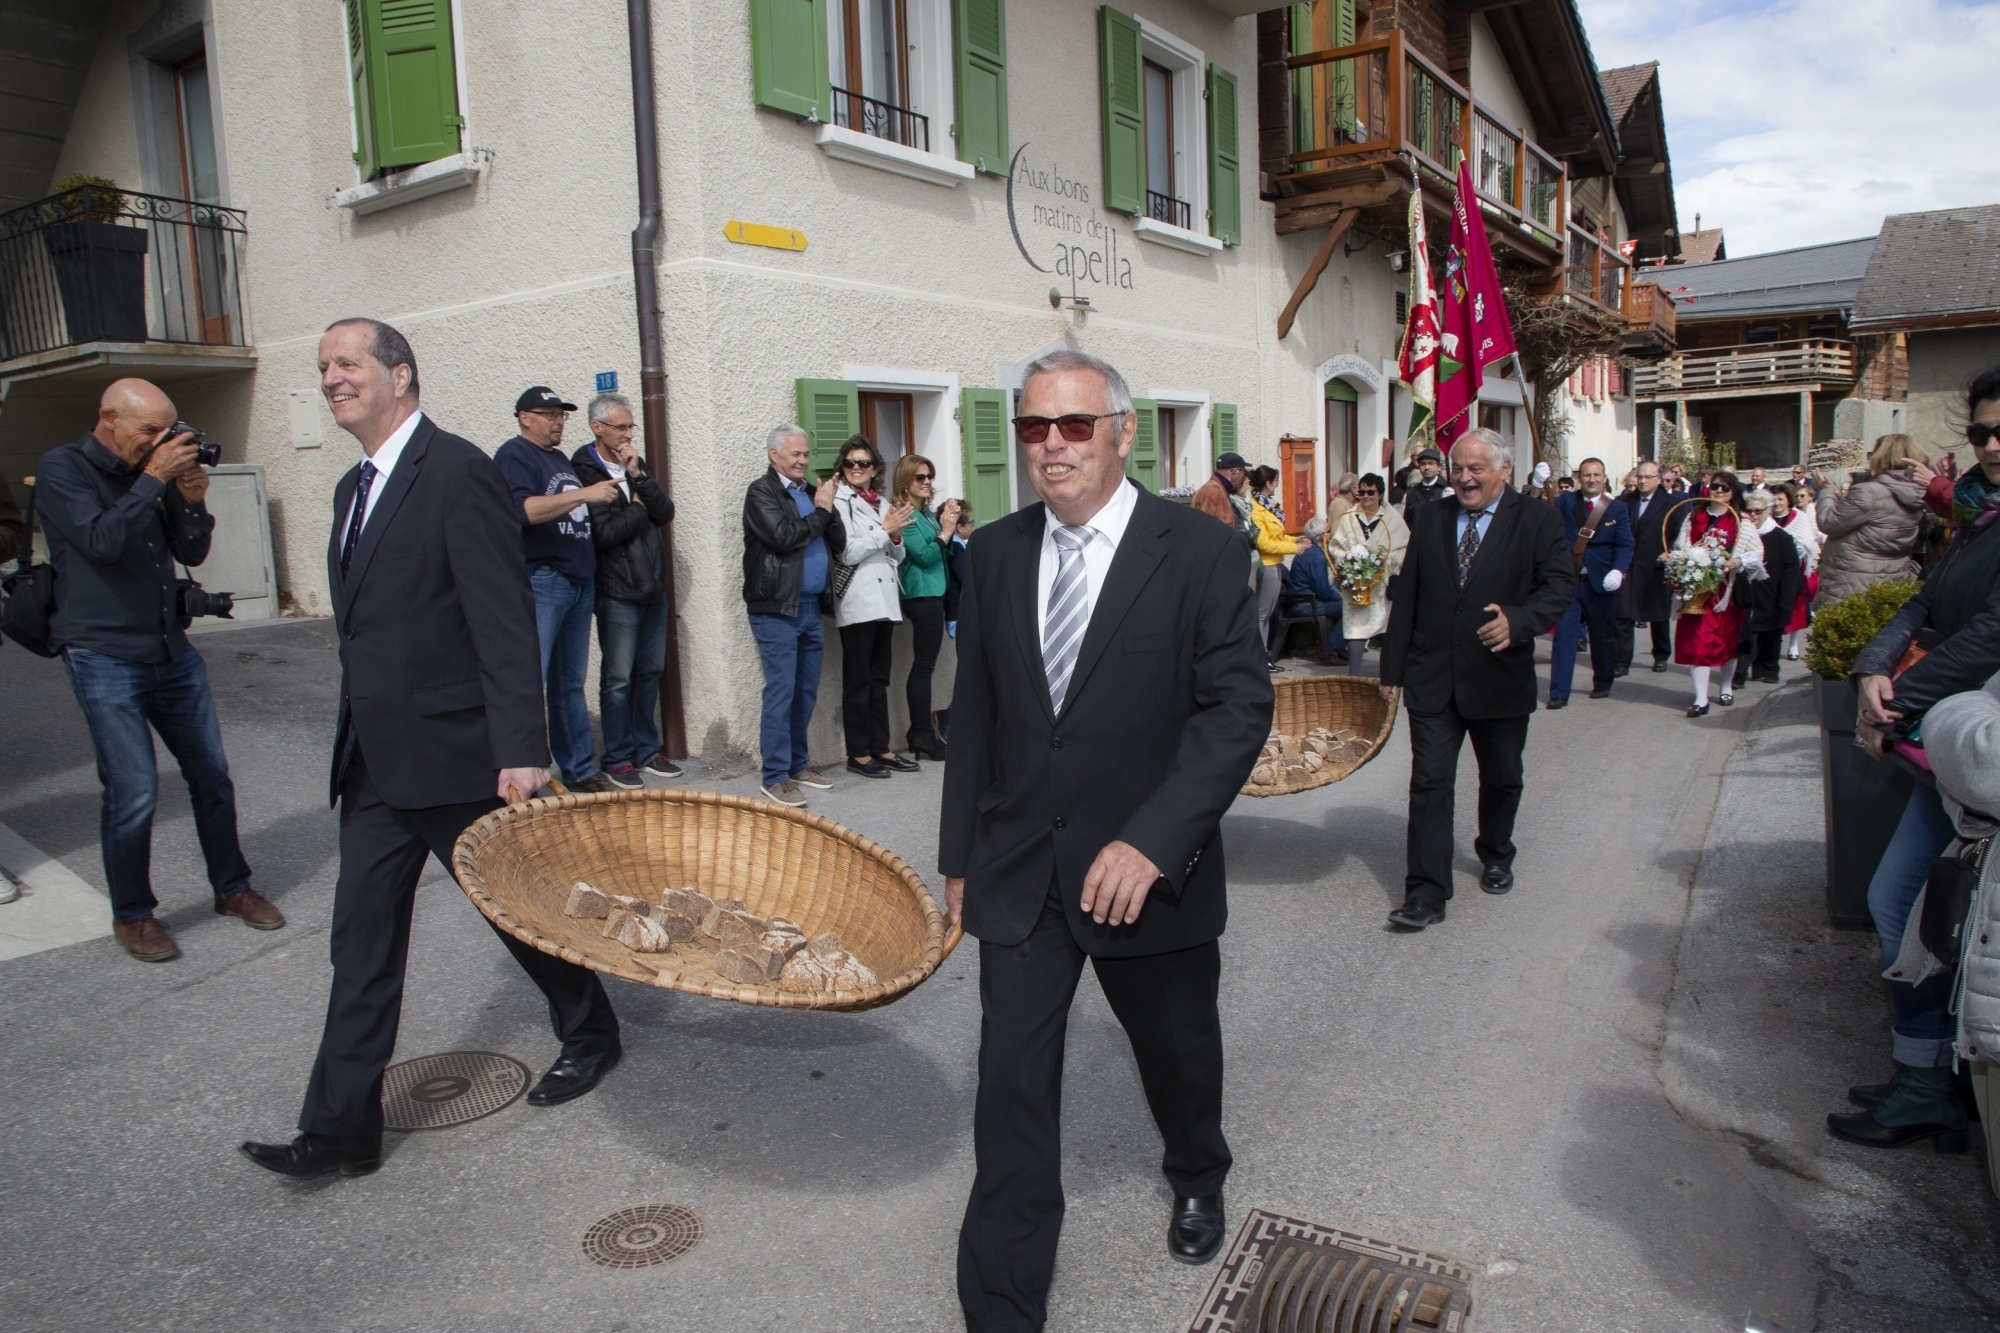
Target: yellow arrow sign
[756, 233]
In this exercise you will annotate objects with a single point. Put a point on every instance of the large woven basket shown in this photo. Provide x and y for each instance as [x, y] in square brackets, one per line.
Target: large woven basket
[1333, 702]
[519, 863]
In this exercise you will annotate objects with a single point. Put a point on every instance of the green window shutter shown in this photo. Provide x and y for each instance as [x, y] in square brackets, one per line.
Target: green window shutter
[1143, 464]
[405, 74]
[982, 427]
[788, 57]
[1225, 173]
[979, 29]
[1340, 391]
[1222, 428]
[830, 410]
[1121, 97]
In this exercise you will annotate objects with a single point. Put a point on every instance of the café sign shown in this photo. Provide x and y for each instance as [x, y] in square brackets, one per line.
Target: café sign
[1059, 231]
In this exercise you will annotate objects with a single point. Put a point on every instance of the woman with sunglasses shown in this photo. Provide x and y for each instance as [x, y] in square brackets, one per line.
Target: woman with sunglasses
[924, 578]
[1708, 639]
[1367, 524]
[866, 614]
[1955, 618]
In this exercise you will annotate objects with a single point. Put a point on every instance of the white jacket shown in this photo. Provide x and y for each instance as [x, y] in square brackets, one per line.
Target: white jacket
[1392, 535]
[876, 592]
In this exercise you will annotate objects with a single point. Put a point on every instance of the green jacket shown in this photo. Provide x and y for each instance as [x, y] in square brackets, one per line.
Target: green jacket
[923, 557]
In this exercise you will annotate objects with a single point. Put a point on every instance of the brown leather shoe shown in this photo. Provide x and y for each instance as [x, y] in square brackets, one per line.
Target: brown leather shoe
[146, 940]
[257, 911]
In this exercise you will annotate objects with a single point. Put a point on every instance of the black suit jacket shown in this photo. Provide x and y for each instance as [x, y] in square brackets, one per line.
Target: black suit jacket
[441, 669]
[1433, 650]
[1646, 595]
[1167, 708]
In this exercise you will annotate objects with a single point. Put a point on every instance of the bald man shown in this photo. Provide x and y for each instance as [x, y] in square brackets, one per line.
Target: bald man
[121, 504]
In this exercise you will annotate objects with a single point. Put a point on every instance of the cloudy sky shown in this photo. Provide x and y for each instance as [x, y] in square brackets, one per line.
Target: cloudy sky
[1798, 121]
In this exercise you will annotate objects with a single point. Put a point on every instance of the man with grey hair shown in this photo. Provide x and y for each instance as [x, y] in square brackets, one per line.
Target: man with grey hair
[1487, 570]
[1111, 698]
[790, 534]
[631, 592]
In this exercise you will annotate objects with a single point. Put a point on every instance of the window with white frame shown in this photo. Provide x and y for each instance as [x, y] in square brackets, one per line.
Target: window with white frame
[1169, 127]
[1175, 186]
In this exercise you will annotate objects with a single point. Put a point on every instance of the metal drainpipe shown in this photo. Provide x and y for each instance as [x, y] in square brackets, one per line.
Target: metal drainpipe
[652, 360]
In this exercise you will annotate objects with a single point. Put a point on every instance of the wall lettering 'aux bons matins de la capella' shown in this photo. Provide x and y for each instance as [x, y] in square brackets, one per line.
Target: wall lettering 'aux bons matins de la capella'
[1057, 228]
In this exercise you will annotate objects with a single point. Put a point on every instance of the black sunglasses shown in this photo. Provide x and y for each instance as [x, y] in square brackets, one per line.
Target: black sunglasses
[1076, 427]
[921, 476]
[1979, 436]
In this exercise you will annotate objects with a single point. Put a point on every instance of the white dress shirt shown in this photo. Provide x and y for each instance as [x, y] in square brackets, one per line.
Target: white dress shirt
[1107, 529]
[384, 458]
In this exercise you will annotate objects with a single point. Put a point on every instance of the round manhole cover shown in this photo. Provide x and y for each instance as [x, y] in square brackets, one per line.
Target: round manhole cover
[438, 1091]
[642, 1236]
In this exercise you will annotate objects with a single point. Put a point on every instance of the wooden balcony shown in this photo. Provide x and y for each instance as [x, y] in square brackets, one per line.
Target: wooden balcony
[1747, 370]
[1649, 320]
[1373, 121]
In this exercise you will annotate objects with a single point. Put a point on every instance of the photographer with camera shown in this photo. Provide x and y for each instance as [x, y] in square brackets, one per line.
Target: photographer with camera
[121, 505]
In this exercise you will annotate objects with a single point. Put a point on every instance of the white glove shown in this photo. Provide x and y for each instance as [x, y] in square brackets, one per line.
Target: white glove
[1539, 474]
[1614, 580]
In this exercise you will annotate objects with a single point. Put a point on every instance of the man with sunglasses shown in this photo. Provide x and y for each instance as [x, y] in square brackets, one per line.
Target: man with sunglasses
[1111, 699]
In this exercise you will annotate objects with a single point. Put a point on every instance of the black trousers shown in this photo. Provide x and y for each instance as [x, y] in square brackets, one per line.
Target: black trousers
[1435, 740]
[1167, 1005]
[1766, 646]
[1628, 635]
[865, 654]
[382, 852]
[926, 617]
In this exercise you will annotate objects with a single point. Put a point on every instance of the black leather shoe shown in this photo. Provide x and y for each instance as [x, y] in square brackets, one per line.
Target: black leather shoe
[1559, 703]
[874, 768]
[572, 1076]
[311, 1155]
[1417, 915]
[1194, 1232]
[1726, 699]
[1604, 693]
[1862, 1127]
[1868, 1096]
[1621, 671]
[1496, 879]
[1697, 710]
[1659, 666]
[896, 763]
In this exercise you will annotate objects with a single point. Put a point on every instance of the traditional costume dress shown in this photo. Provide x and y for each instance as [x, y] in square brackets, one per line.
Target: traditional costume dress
[1711, 636]
[1799, 526]
[1386, 532]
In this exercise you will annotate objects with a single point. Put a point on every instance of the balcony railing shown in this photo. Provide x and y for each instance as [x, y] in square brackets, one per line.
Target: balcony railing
[1377, 98]
[1166, 208]
[883, 120]
[97, 264]
[1649, 314]
[1595, 272]
[1751, 366]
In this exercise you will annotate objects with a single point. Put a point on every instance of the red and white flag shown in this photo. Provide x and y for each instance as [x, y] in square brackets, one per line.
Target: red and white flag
[1417, 362]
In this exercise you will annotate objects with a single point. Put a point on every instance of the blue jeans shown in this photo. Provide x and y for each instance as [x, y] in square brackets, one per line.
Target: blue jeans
[632, 639]
[1598, 611]
[1923, 1030]
[562, 620]
[791, 648]
[120, 698]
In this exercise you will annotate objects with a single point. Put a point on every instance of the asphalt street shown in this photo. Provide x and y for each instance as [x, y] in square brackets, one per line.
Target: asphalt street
[1606, 1088]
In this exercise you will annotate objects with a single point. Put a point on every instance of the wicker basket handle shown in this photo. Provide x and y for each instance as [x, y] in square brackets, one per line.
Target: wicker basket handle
[951, 939]
[514, 796]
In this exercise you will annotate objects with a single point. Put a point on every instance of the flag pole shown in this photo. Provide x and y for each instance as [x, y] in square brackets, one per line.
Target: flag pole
[1534, 431]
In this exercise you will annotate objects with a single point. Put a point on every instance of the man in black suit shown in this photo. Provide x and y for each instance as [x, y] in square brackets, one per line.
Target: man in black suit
[1646, 596]
[440, 716]
[1485, 572]
[1111, 698]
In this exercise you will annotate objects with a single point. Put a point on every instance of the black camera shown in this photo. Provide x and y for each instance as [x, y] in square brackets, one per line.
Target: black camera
[206, 452]
[191, 600]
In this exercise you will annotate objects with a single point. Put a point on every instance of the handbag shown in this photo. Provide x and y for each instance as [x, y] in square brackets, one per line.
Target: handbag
[28, 595]
[838, 580]
[1947, 901]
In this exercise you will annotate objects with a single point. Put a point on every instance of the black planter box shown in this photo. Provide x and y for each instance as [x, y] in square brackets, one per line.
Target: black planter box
[101, 272]
[1864, 800]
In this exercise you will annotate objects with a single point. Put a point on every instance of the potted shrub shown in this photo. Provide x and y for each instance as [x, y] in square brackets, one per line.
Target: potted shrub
[99, 262]
[1863, 798]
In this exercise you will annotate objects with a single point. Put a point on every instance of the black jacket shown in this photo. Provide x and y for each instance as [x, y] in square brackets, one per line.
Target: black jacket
[955, 568]
[1770, 599]
[441, 670]
[631, 559]
[775, 538]
[114, 535]
[1433, 649]
[1168, 704]
[1646, 595]
[1420, 493]
[1959, 604]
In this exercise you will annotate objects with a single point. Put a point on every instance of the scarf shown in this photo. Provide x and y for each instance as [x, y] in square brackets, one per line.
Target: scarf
[874, 498]
[1975, 501]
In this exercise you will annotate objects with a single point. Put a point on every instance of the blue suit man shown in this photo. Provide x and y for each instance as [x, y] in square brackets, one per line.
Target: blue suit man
[1601, 542]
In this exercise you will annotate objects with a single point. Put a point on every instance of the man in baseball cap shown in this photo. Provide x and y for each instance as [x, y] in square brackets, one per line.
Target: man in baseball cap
[1213, 496]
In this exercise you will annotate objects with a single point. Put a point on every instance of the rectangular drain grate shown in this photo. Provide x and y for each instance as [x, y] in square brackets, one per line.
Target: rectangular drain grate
[1284, 1275]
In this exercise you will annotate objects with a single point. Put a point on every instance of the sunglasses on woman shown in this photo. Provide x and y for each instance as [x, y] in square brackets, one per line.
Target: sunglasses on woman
[852, 463]
[921, 476]
[1076, 427]
[1979, 436]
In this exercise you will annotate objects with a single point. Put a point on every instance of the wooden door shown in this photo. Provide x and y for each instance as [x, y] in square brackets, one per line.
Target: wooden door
[1295, 480]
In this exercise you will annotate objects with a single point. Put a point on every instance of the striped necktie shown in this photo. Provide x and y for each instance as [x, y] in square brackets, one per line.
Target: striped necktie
[1068, 613]
[1468, 545]
[359, 517]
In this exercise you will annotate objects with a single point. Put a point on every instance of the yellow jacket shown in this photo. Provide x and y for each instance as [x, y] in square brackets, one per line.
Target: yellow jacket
[1273, 542]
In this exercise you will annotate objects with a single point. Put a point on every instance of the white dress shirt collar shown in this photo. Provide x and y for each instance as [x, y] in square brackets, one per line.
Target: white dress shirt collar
[1108, 522]
[384, 458]
[1107, 529]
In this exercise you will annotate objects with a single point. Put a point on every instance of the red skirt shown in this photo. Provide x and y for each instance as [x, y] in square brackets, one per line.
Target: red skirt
[1708, 638]
[1802, 613]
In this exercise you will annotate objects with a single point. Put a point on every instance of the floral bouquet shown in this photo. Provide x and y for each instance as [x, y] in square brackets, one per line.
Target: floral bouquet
[1696, 572]
[1358, 569]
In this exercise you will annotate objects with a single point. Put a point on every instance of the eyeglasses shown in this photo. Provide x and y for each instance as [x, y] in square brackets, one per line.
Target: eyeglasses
[921, 476]
[1363, 495]
[1076, 427]
[851, 463]
[1979, 436]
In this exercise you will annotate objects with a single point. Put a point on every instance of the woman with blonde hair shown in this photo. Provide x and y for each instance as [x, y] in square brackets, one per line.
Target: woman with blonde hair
[913, 485]
[1369, 523]
[1871, 531]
